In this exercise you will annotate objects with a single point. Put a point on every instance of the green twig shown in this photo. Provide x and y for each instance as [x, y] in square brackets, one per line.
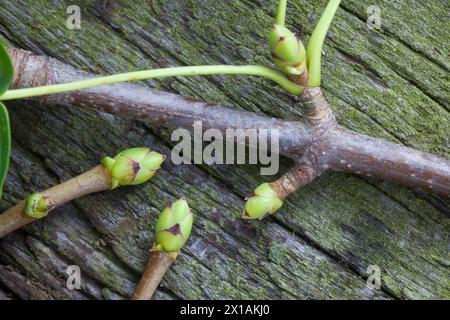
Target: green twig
[315, 45]
[281, 13]
[261, 71]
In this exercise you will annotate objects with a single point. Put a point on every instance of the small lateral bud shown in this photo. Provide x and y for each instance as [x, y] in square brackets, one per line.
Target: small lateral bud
[263, 202]
[38, 206]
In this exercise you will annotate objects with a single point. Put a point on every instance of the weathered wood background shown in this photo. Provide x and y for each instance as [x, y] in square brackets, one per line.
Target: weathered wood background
[391, 83]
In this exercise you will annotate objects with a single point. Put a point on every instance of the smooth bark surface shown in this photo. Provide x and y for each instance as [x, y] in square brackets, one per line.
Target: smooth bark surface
[352, 152]
[388, 84]
[156, 107]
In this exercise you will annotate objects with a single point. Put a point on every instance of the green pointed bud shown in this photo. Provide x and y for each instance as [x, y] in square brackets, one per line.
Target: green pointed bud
[38, 206]
[287, 50]
[173, 227]
[133, 166]
[263, 202]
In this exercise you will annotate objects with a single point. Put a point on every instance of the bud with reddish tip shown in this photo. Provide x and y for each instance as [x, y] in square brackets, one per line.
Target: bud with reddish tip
[38, 206]
[264, 201]
[173, 227]
[133, 166]
[287, 50]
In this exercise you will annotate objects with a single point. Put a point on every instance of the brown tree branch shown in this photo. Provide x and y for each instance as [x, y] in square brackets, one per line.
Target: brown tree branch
[157, 266]
[142, 103]
[94, 180]
[297, 177]
[323, 145]
[352, 152]
[319, 115]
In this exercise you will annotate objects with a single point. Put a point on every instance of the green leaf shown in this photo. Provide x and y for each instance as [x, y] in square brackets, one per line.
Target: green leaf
[6, 77]
[5, 145]
[6, 70]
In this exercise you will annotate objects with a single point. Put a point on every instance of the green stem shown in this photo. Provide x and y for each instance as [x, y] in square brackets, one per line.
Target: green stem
[315, 44]
[268, 73]
[281, 13]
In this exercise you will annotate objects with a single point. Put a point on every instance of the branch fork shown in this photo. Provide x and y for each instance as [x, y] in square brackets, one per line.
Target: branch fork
[316, 109]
